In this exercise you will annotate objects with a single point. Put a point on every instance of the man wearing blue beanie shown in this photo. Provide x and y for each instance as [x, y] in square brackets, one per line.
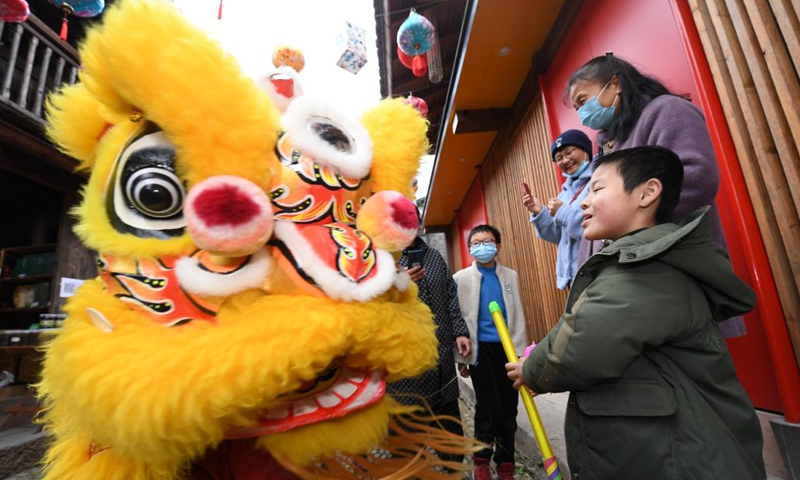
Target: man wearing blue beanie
[559, 221]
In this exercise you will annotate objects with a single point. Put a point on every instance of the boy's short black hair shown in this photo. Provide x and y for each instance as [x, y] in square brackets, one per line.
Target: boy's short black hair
[639, 164]
[484, 228]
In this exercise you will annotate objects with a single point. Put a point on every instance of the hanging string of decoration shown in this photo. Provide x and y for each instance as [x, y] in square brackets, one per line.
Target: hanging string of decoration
[435, 71]
[78, 8]
[219, 12]
[414, 39]
[14, 10]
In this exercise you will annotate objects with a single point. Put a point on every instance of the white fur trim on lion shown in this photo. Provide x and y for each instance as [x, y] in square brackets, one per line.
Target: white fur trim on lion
[199, 281]
[304, 112]
[328, 279]
[402, 281]
[100, 321]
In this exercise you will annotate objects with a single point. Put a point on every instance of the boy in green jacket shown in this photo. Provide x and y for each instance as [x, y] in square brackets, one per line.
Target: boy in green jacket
[653, 390]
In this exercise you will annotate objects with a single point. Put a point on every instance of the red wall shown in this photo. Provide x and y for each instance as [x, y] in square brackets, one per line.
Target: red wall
[471, 214]
[653, 37]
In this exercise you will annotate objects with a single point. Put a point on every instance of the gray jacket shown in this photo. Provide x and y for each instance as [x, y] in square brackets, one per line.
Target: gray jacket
[469, 297]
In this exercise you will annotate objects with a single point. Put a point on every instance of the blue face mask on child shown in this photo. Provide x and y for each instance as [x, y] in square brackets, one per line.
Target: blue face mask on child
[596, 116]
[578, 172]
[483, 253]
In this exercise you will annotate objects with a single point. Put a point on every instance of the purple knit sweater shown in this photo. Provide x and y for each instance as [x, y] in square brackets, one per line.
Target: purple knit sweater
[672, 122]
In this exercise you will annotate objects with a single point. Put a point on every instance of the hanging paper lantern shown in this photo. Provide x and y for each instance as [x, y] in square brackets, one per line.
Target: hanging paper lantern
[79, 8]
[351, 48]
[289, 57]
[14, 10]
[419, 105]
[415, 35]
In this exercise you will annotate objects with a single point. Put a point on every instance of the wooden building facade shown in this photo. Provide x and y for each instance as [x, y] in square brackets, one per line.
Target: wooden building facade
[739, 62]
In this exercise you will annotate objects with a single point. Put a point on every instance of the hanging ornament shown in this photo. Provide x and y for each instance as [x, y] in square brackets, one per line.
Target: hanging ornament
[435, 72]
[418, 65]
[351, 48]
[219, 12]
[419, 105]
[78, 8]
[415, 34]
[415, 38]
[14, 10]
[284, 56]
[404, 59]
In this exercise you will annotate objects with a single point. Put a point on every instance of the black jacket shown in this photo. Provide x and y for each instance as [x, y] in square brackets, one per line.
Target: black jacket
[437, 290]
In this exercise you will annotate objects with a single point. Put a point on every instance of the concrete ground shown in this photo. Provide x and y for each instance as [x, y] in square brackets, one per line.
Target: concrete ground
[551, 407]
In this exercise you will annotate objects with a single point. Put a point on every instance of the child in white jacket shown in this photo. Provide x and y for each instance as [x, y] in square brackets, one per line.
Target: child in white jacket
[496, 400]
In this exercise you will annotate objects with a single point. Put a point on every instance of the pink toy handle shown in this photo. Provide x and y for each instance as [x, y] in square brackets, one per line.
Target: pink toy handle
[528, 349]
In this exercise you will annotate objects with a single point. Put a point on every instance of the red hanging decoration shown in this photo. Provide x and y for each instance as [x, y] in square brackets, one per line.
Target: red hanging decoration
[67, 9]
[219, 13]
[404, 58]
[418, 104]
[419, 65]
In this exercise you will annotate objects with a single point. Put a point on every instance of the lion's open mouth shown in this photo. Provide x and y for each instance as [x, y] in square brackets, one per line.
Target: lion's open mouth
[336, 392]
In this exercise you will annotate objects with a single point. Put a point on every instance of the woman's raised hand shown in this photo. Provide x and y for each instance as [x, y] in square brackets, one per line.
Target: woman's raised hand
[532, 203]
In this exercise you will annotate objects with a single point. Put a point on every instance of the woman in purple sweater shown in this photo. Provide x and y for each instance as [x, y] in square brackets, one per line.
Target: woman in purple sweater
[630, 109]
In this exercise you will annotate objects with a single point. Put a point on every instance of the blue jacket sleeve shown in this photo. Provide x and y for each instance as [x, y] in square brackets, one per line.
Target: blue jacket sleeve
[546, 227]
[569, 218]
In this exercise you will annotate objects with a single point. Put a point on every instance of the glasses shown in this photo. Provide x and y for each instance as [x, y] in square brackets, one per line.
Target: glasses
[478, 243]
[567, 152]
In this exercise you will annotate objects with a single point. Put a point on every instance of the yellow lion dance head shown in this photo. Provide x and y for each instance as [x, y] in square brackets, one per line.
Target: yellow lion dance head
[248, 310]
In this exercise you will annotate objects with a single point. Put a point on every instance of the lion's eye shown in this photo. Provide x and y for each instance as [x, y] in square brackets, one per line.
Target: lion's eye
[155, 192]
[329, 137]
[332, 134]
[148, 194]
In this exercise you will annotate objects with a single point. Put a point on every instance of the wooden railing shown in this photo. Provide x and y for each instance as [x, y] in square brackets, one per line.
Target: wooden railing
[33, 62]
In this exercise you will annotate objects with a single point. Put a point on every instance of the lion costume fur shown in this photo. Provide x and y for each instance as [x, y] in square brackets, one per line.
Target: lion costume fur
[240, 294]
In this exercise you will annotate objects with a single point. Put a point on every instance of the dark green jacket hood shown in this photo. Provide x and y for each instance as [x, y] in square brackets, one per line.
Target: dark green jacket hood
[688, 247]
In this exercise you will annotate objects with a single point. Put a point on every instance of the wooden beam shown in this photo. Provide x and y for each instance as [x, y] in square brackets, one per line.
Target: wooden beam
[561, 27]
[486, 120]
[52, 39]
[417, 85]
[40, 172]
[39, 148]
[542, 60]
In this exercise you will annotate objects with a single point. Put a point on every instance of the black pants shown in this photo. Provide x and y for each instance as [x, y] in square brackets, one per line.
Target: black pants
[495, 403]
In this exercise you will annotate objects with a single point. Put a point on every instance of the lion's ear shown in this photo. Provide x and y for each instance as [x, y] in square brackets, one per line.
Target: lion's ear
[75, 123]
[399, 140]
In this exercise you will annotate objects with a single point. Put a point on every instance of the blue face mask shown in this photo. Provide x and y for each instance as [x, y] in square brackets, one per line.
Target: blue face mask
[596, 116]
[578, 172]
[483, 253]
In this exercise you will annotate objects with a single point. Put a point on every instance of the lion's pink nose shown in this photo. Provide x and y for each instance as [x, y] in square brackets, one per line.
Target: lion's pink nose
[228, 215]
[389, 219]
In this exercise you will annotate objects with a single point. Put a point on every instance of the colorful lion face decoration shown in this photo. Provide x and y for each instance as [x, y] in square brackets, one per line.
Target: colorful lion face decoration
[248, 310]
